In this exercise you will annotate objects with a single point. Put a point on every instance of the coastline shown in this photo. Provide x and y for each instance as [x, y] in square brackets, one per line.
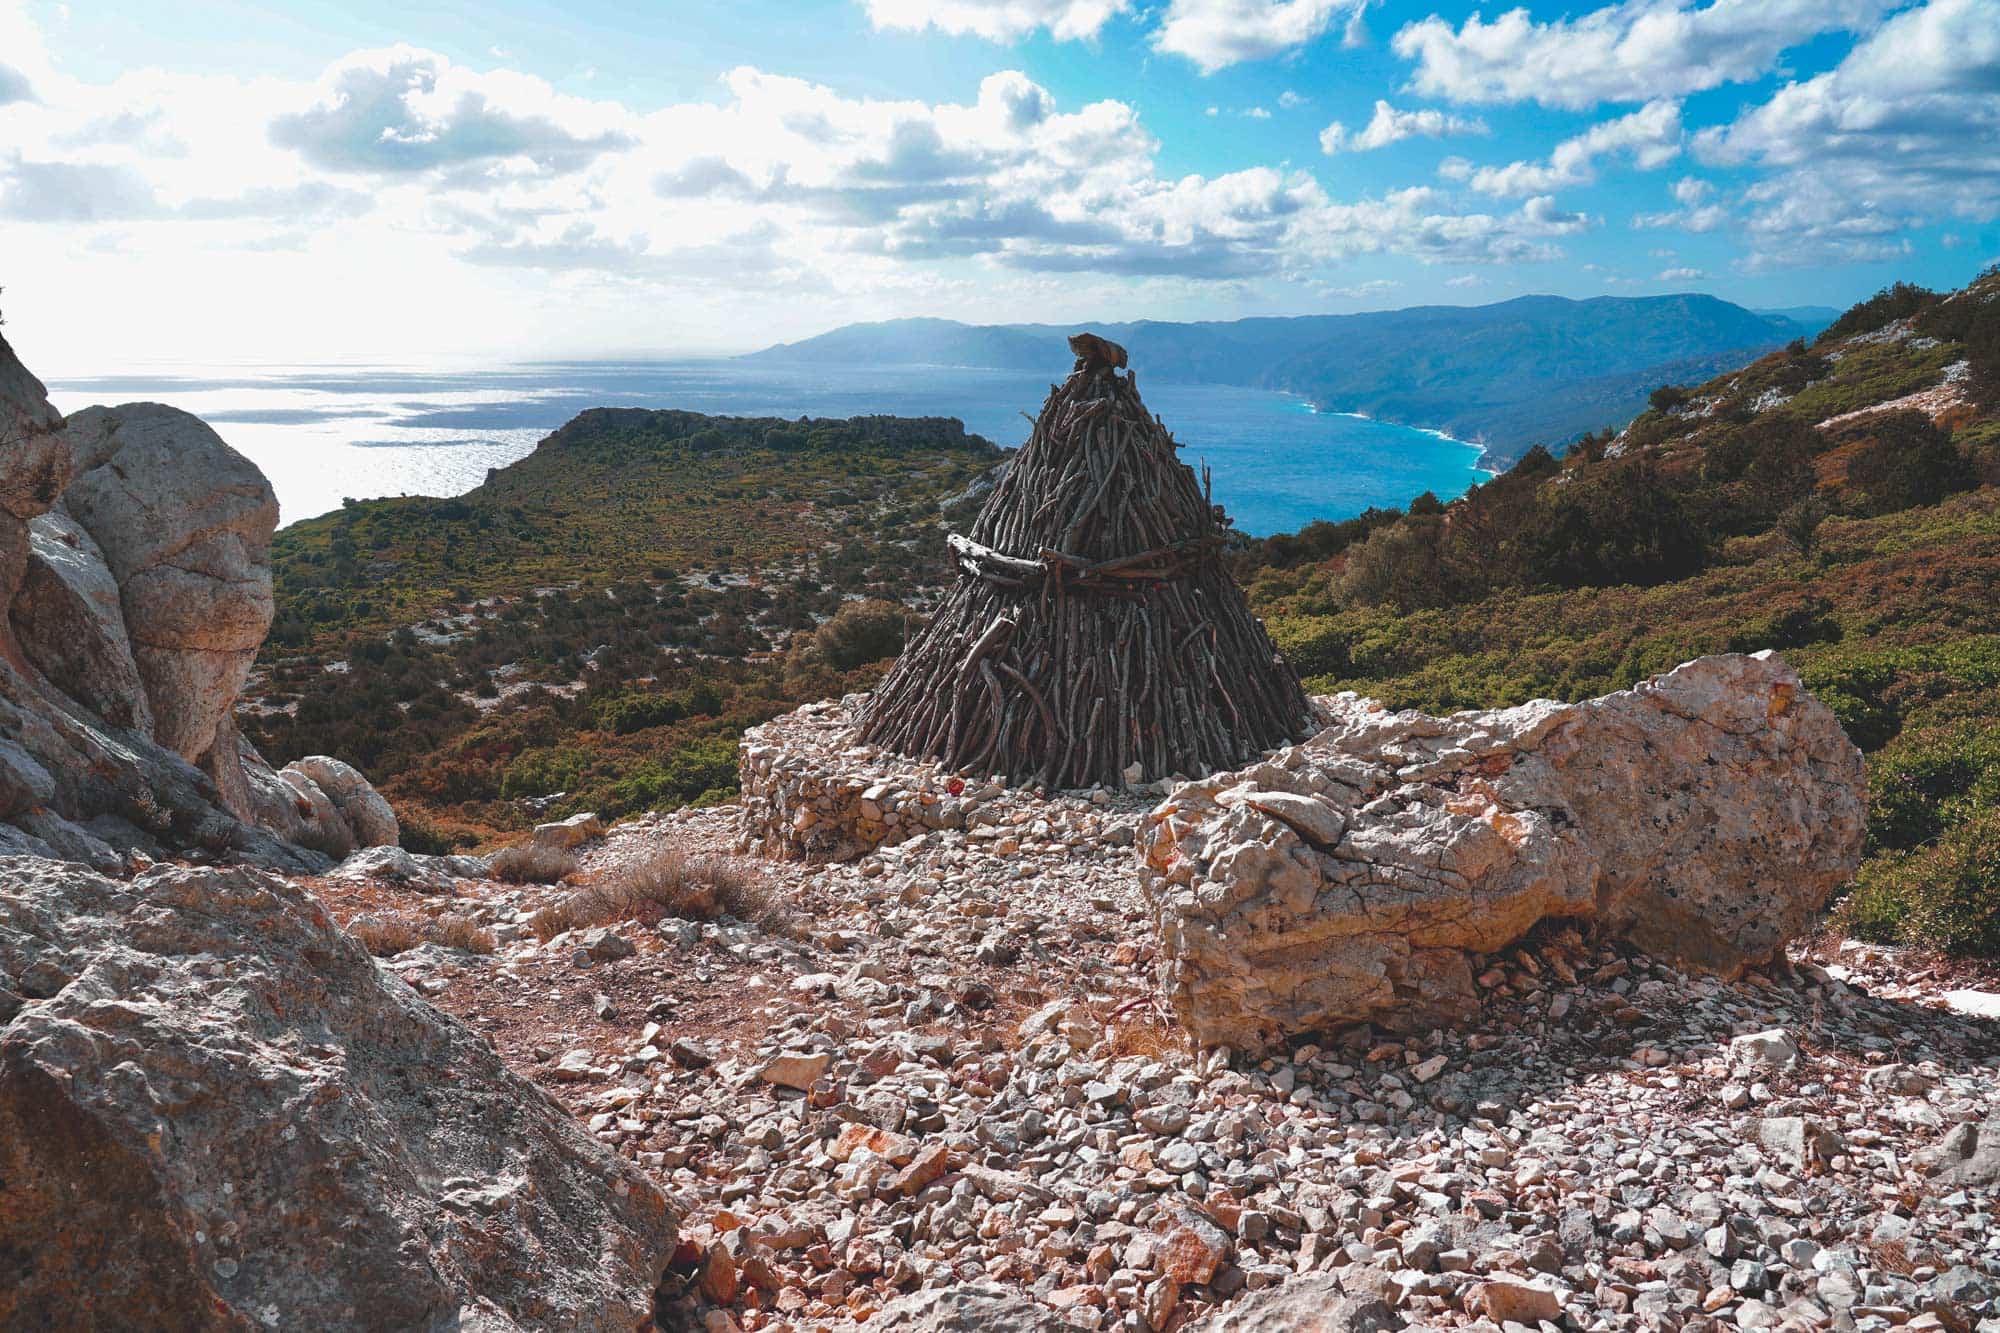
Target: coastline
[1482, 450]
[321, 438]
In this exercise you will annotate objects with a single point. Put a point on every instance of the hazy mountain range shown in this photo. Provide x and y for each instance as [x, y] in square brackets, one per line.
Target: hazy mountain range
[1533, 369]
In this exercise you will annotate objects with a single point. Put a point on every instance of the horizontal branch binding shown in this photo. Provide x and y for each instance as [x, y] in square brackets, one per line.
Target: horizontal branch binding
[1182, 559]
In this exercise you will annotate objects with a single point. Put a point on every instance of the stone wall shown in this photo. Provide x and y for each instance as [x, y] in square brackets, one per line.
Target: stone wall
[810, 793]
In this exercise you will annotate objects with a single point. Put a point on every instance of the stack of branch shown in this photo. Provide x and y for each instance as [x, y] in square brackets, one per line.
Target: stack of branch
[1093, 634]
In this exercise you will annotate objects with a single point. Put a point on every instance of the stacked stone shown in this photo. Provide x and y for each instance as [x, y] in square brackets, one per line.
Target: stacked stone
[810, 793]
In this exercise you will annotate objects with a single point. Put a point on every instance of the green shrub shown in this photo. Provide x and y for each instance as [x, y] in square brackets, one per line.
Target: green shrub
[414, 835]
[1869, 689]
[627, 713]
[1910, 462]
[862, 632]
[1398, 566]
[1926, 783]
[1619, 524]
[1810, 621]
[702, 772]
[1799, 523]
[1897, 301]
[1945, 896]
[1314, 645]
[541, 772]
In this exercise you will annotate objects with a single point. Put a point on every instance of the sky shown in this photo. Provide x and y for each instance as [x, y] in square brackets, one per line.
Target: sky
[416, 181]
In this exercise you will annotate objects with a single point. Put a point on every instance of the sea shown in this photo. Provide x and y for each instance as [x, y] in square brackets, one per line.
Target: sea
[323, 434]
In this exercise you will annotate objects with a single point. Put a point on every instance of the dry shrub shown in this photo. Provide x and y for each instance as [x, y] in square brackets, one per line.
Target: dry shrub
[1148, 1036]
[670, 882]
[1893, 1256]
[387, 936]
[458, 932]
[397, 932]
[529, 864]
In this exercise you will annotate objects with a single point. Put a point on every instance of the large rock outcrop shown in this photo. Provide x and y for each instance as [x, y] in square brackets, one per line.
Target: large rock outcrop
[216, 1111]
[184, 523]
[1704, 815]
[135, 572]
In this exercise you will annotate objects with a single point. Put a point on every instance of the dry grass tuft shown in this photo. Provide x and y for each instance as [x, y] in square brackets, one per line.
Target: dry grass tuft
[671, 882]
[1145, 1035]
[1893, 1256]
[387, 935]
[529, 864]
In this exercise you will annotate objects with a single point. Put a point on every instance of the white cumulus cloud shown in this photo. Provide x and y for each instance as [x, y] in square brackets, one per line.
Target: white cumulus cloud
[1651, 136]
[405, 110]
[1636, 51]
[1905, 130]
[1388, 125]
[1218, 33]
[1695, 212]
[998, 20]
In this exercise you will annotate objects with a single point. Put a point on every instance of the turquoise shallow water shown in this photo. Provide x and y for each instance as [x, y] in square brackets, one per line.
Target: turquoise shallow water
[324, 433]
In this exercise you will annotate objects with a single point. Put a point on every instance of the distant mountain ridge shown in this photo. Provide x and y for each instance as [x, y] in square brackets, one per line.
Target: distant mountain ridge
[1812, 318]
[1535, 369]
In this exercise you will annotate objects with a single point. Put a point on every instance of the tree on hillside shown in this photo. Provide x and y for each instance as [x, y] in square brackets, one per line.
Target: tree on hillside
[861, 632]
[1896, 301]
[1982, 351]
[1615, 524]
[1909, 462]
[1400, 566]
[1799, 523]
[1781, 465]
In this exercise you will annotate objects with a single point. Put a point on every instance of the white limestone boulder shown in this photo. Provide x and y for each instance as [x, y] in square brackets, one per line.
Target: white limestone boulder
[184, 523]
[1704, 815]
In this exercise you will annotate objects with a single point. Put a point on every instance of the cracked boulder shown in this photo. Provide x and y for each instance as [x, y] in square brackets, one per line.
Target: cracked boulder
[216, 1111]
[1703, 815]
[184, 525]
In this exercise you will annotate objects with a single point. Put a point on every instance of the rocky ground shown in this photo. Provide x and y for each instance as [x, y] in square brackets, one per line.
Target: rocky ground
[944, 1064]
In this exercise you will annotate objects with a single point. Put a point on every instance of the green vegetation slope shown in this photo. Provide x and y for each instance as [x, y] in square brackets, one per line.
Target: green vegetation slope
[1834, 501]
[594, 626]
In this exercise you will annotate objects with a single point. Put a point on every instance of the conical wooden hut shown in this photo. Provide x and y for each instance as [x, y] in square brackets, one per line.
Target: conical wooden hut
[1094, 634]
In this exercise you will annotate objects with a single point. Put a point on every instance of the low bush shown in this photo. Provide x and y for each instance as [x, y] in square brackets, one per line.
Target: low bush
[1926, 783]
[1400, 566]
[1667, 397]
[862, 632]
[426, 839]
[1618, 525]
[1909, 462]
[387, 935]
[671, 882]
[1896, 301]
[529, 864]
[702, 772]
[1945, 896]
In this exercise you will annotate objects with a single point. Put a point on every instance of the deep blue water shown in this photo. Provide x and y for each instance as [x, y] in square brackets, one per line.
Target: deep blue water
[324, 433]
